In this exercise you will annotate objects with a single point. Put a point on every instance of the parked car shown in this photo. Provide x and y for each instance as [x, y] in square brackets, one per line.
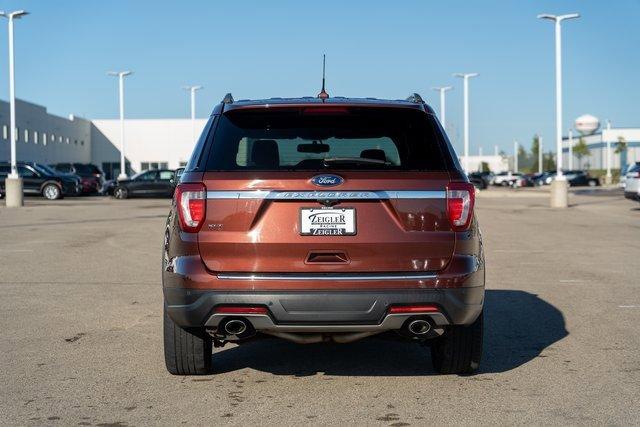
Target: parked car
[323, 220]
[73, 181]
[37, 181]
[506, 179]
[544, 178]
[632, 187]
[91, 175]
[151, 183]
[526, 180]
[580, 178]
[478, 180]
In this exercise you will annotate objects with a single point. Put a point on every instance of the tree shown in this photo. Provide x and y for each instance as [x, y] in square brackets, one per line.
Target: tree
[484, 167]
[581, 150]
[621, 147]
[535, 148]
[548, 162]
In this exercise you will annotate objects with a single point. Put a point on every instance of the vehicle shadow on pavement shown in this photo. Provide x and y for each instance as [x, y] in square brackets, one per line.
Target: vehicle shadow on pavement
[518, 326]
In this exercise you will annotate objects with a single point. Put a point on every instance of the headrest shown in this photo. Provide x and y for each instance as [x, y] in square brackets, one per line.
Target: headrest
[265, 154]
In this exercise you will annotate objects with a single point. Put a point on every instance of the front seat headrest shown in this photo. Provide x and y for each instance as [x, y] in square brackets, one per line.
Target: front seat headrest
[265, 153]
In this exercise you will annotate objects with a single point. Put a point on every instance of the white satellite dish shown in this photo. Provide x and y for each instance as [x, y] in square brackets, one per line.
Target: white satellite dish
[587, 124]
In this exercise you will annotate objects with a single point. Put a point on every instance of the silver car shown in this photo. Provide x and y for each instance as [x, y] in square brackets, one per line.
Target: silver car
[632, 184]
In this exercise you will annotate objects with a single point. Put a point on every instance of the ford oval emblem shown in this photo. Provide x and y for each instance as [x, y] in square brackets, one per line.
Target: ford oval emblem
[327, 180]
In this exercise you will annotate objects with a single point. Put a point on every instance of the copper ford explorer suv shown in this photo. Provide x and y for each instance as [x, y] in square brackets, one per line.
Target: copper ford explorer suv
[321, 220]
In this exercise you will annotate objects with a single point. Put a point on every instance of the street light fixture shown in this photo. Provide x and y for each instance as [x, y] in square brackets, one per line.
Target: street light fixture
[559, 191]
[466, 78]
[121, 75]
[443, 113]
[193, 90]
[13, 183]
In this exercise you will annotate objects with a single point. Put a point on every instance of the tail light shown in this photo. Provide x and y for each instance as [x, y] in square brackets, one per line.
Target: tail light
[460, 200]
[191, 201]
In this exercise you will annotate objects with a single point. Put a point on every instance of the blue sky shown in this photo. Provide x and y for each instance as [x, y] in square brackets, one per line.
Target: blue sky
[383, 49]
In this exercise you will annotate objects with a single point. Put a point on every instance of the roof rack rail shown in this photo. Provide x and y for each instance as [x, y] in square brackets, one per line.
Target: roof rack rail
[414, 97]
[228, 99]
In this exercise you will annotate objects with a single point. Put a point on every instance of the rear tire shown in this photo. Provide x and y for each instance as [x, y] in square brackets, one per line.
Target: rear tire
[184, 352]
[459, 351]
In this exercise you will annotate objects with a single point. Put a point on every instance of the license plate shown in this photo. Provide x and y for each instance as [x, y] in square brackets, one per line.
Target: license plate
[327, 221]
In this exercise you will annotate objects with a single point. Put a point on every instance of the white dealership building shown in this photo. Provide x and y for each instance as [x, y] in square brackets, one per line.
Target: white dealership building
[46, 138]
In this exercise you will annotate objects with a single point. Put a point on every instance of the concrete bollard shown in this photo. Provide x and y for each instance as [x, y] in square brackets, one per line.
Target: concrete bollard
[559, 194]
[13, 192]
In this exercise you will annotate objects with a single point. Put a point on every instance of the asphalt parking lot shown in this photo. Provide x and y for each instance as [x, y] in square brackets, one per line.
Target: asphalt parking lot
[80, 329]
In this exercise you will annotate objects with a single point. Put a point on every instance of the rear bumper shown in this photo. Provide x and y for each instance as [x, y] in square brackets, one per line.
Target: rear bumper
[327, 311]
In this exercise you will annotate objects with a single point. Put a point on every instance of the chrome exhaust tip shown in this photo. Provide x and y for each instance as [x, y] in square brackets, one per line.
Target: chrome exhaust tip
[235, 327]
[419, 327]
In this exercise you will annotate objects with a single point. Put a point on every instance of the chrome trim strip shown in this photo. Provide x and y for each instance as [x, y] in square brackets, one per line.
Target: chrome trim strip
[327, 195]
[330, 276]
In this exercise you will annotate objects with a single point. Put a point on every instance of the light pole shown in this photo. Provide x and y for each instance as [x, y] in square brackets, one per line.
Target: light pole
[465, 78]
[192, 90]
[609, 178]
[570, 149]
[540, 154]
[13, 183]
[121, 75]
[443, 113]
[559, 190]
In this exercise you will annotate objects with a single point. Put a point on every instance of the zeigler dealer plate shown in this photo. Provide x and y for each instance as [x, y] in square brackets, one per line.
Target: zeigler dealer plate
[327, 221]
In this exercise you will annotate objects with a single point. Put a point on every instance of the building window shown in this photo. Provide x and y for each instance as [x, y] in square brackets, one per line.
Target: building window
[35, 137]
[183, 164]
[4, 132]
[26, 135]
[44, 138]
[82, 143]
[75, 142]
[145, 166]
[53, 138]
[67, 140]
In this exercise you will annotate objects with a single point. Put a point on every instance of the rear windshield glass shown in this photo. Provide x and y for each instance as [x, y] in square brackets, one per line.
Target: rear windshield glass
[367, 139]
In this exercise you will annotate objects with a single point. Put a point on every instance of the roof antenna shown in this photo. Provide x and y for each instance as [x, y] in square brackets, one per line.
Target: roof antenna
[323, 94]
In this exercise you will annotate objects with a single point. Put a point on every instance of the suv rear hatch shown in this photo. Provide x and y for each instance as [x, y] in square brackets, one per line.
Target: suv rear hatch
[326, 189]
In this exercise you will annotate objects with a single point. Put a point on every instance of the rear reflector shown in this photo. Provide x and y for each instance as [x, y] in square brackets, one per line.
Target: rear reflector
[400, 309]
[460, 200]
[241, 310]
[192, 206]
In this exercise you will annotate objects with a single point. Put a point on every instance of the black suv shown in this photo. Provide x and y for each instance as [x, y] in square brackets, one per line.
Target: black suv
[37, 179]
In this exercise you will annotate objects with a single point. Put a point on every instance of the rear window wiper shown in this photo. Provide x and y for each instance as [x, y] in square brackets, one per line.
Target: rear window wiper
[352, 160]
